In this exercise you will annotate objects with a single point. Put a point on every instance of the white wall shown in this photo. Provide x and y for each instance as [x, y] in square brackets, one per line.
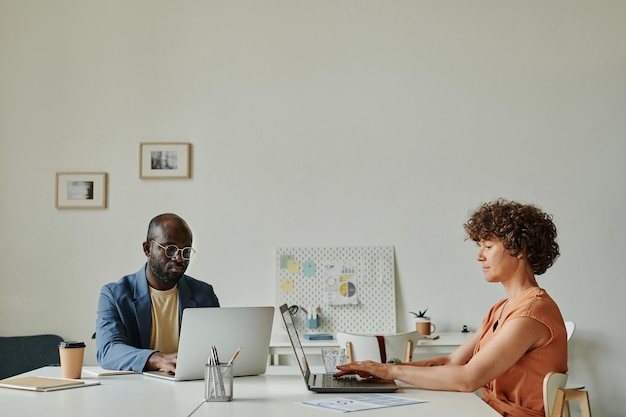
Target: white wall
[355, 122]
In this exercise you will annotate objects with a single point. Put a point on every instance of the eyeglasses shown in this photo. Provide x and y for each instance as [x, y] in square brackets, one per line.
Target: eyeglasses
[171, 251]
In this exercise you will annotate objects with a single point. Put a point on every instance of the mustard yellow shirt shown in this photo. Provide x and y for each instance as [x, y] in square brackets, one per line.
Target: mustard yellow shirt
[165, 321]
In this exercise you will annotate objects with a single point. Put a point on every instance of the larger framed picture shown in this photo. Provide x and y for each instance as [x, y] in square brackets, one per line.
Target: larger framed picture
[81, 190]
[164, 159]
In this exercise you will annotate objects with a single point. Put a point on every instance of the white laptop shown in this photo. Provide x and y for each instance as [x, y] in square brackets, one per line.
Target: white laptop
[226, 328]
[326, 382]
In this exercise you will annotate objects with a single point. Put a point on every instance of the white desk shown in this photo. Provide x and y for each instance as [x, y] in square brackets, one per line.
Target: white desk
[273, 394]
[425, 348]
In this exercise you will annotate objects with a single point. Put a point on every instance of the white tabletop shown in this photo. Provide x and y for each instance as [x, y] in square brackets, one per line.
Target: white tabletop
[274, 394]
[283, 388]
[119, 396]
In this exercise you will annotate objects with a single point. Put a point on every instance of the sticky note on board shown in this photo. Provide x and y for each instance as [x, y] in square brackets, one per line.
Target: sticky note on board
[284, 259]
[286, 285]
[293, 266]
[308, 268]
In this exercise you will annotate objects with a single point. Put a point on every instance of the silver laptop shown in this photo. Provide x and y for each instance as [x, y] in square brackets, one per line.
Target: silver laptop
[326, 382]
[226, 328]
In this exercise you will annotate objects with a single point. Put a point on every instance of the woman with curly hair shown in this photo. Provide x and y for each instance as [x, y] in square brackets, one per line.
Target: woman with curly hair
[523, 336]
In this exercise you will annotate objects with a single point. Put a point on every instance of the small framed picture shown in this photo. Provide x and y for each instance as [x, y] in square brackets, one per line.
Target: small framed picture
[164, 159]
[81, 190]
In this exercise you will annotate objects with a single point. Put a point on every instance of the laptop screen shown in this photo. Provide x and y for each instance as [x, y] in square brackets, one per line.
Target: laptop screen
[316, 382]
[295, 340]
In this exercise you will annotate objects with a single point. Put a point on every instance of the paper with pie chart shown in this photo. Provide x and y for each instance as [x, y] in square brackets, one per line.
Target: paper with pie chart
[340, 284]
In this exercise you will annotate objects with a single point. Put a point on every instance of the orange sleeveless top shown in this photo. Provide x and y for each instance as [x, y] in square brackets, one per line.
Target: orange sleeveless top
[518, 392]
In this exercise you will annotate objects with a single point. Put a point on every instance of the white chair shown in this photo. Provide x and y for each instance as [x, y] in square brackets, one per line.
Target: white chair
[380, 348]
[553, 384]
[566, 393]
[570, 327]
[556, 396]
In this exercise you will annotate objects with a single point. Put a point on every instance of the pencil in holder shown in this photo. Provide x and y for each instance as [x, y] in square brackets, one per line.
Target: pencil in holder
[218, 382]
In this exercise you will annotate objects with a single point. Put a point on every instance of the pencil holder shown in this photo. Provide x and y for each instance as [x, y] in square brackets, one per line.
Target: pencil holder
[313, 323]
[218, 382]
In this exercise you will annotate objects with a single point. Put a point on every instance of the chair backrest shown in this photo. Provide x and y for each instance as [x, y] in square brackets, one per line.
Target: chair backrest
[380, 348]
[570, 327]
[552, 383]
[24, 353]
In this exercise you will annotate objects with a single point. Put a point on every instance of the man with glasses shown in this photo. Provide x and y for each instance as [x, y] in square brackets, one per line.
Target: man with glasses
[139, 316]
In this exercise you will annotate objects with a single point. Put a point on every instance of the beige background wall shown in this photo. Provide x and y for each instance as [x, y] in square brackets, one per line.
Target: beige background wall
[317, 123]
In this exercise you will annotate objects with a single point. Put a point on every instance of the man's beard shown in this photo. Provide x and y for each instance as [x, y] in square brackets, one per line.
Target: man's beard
[162, 274]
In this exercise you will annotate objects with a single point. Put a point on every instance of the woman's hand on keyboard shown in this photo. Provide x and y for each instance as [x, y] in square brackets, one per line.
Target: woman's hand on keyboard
[366, 369]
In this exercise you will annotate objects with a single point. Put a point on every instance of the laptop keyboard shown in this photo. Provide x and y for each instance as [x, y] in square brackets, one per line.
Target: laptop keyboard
[347, 381]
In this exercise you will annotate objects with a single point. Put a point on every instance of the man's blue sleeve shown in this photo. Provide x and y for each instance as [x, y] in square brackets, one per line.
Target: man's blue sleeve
[115, 346]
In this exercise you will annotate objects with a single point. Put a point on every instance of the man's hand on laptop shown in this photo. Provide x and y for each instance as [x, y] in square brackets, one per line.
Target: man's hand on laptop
[165, 362]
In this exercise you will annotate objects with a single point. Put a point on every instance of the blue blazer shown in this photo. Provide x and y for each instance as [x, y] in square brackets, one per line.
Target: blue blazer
[124, 320]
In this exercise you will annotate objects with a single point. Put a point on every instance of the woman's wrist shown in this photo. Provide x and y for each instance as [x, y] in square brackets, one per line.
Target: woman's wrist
[394, 370]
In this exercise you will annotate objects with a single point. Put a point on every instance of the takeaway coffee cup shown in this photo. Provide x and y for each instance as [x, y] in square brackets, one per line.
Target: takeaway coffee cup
[425, 327]
[71, 355]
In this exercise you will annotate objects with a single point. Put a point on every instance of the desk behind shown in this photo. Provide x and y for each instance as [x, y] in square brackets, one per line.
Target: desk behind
[425, 348]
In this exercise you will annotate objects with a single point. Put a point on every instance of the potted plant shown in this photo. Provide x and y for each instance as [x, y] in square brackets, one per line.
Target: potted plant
[420, 315]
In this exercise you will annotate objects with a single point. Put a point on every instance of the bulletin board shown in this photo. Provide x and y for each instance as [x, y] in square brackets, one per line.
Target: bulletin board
[354, 287]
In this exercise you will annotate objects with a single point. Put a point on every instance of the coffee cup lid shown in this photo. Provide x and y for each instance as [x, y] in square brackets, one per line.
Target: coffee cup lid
[71, 344]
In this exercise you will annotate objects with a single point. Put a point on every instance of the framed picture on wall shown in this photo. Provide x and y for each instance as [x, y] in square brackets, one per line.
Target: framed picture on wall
[164, 159]
[81, 190]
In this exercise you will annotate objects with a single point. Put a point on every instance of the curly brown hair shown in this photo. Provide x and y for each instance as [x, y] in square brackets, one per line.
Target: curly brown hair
[523, 229]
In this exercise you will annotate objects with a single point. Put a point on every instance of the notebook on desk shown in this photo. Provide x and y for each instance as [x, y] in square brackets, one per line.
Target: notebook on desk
[326, 382]
[44, 384]
[226, 328]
